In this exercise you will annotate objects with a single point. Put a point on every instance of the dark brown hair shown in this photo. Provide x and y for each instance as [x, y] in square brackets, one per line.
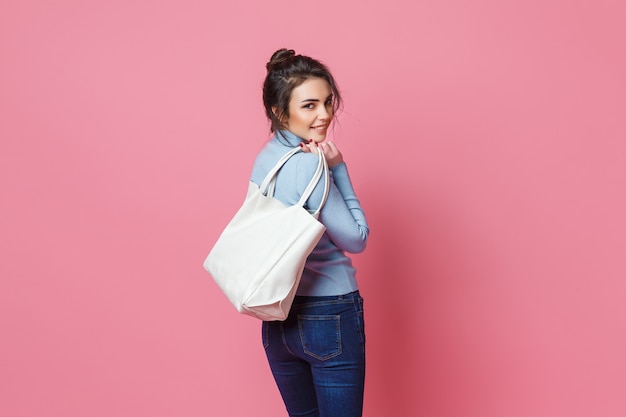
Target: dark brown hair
[286, 71]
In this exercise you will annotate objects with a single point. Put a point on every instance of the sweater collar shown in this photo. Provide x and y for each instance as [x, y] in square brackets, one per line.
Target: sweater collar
[286, 137]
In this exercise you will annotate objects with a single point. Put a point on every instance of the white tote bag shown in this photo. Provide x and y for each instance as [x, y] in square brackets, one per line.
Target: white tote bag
[258, 259]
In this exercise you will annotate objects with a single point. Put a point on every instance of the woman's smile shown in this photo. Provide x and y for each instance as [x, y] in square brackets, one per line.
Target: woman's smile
[311, 110]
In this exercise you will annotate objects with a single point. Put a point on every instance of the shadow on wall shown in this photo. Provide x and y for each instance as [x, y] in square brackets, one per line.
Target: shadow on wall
[408, 277]
[387, 279]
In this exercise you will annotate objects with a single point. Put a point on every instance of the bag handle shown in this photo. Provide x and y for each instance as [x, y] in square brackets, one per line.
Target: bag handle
[322, 170]
[270, 177]
[269, 183]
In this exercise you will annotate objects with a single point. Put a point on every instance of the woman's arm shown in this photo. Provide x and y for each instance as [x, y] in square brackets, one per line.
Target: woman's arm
[342, 214]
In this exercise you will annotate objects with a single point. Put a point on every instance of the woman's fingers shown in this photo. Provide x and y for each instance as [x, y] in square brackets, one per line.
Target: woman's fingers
[329, 148]
[332, 153]
[309, 147]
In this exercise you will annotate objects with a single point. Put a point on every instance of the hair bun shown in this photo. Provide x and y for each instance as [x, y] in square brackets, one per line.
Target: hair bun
[278, 57]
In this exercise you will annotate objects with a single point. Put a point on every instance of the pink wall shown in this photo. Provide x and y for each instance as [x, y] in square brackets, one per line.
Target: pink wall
[486, 140]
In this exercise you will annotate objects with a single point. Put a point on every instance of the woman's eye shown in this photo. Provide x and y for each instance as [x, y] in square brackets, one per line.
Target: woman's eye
[308, 106]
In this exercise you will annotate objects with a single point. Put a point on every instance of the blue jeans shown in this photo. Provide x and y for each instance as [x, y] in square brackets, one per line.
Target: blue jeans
[317, 356]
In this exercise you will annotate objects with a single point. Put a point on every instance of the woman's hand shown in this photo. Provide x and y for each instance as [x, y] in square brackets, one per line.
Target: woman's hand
[331, 152]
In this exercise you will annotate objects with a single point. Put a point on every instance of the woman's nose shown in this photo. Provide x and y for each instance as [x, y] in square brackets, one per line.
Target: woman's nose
[323, 113]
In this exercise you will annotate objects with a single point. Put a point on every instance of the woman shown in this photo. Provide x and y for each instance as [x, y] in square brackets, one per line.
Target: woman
[317, 355]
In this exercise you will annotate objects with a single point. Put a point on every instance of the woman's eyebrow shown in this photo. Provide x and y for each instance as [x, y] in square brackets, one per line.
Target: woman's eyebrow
[315, 100]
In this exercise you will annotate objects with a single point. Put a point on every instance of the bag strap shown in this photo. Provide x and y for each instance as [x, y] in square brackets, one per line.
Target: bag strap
[269, 183]
[321, 171]
[270, 177]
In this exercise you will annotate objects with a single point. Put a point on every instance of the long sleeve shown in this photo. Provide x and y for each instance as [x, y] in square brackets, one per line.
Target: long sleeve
[328, 270]
[342, 215]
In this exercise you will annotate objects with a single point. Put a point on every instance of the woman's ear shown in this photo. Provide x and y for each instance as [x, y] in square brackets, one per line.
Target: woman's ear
[279, 115]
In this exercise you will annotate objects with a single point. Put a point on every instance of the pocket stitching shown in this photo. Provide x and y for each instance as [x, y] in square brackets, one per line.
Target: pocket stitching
[336, 319]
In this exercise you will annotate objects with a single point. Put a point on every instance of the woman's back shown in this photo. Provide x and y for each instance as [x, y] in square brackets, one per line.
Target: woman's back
[328, 271]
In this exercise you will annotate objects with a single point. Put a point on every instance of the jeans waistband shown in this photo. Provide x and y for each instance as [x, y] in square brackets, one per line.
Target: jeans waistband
[303, 299]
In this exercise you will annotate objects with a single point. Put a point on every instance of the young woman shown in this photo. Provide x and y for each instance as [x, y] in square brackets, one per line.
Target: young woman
[317, 355]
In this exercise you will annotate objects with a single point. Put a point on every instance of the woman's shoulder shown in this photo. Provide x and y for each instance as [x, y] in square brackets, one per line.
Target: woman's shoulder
[269, 156]
[305, 159]
[303, 163]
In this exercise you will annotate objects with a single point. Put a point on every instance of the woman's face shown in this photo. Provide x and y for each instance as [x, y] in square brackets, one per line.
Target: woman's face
[310, 110]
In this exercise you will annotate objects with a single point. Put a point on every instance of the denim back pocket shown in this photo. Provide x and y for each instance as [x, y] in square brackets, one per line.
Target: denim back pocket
[320, 335]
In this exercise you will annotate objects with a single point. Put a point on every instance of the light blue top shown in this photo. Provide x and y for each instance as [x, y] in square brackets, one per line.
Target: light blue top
[328, 271]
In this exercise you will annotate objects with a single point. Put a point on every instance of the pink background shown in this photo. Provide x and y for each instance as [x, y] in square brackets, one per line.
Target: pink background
[486, 141]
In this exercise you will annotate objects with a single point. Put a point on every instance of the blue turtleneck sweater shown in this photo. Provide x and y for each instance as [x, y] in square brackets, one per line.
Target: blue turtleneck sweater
[328, 271]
